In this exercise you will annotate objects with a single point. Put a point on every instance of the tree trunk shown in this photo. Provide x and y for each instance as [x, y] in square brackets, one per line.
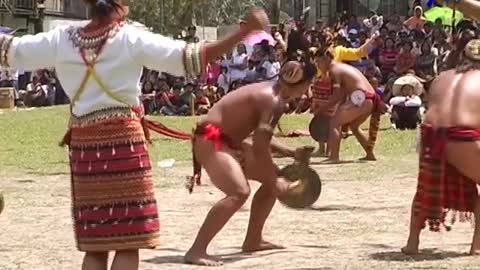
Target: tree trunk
[275, 11]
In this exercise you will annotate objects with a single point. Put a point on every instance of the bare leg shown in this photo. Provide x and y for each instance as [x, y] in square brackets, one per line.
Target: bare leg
[346, 114]
[361, 138]
[475, 248]
[226, 174]
[334, 142]
[414, 235]
[95, 261]
[321, 151]
[262, 205]
[126, 260]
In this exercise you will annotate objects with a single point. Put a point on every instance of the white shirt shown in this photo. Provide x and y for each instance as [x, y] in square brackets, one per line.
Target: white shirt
[223, 82]
[273, 69]
[237, 74]
[119, 65]
[412, 102]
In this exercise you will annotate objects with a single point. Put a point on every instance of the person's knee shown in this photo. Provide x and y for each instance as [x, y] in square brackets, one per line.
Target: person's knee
[241, 195]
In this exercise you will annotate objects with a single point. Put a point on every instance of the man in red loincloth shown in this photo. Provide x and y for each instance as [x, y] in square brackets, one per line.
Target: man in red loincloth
[358, 101]
[223, 146]
[450, 150]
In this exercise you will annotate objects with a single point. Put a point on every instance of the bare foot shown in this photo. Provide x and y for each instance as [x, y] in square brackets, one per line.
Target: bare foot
[369, 158]
[331, 161]
[319, 153]
[202, 259]
[262, 246]
[474, 252]
[410, 250]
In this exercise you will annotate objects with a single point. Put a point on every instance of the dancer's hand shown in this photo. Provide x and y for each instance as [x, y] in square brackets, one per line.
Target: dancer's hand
[256, 19]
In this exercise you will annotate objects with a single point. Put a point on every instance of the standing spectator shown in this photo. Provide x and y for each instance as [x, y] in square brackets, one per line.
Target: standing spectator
[373, 24]
[417, 20]
[192, 35]
[271, 67]
[239, 64]
[223, 81]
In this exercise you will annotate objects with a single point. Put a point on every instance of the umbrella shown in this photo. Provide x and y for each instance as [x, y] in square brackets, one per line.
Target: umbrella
[443, 13]
[407, 80]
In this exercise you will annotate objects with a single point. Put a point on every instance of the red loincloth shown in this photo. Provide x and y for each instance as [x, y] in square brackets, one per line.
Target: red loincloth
[211, 133]
[441, 187]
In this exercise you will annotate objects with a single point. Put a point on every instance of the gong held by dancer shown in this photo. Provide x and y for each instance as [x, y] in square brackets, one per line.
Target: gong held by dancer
[224, 146]
[99, 65]
[356, 100]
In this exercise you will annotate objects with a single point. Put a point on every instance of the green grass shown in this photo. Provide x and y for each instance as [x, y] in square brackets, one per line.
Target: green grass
[29, 141]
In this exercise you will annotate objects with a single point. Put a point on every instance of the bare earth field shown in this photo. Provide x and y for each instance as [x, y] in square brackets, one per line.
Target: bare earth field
[359, 222]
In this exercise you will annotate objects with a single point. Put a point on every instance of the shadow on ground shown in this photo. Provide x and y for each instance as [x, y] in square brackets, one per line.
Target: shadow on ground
[425, 255]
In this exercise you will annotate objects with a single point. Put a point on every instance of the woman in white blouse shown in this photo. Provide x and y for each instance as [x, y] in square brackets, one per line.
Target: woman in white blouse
[99, 65]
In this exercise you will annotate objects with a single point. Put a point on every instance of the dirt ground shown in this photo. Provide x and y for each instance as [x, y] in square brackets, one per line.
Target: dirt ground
[356, 224]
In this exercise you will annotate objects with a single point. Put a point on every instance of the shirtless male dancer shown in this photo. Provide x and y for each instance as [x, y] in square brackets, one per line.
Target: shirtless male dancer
[450, 150]
[222, 148]
[358, 100]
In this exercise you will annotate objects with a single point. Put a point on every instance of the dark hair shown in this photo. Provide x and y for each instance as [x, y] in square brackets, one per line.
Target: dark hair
[457, 59]
[104, 8]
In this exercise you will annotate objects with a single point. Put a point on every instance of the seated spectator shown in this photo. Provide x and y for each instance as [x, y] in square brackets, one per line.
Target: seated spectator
[426, 62]
[388, 59]
[394, 25]
[406, 109]
[36, 93]
[174, 103]
[405, 59]
[371, 70]
[148, 97]
[202, 103]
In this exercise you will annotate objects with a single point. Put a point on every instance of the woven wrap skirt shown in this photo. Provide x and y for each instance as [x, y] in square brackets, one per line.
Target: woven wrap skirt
[113, 200]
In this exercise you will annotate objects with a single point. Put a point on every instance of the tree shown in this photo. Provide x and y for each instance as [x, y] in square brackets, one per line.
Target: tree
[171, 16]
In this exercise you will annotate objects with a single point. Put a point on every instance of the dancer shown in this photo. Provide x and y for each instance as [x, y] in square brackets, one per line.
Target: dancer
[99, 65]
[450, 150]
[349, 84]
[220, 146]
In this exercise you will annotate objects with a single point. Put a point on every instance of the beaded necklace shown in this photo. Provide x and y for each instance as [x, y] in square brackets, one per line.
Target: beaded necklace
[91, 43]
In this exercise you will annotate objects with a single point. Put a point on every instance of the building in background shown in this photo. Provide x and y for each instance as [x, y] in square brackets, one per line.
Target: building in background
[32, 16]
[328, 10]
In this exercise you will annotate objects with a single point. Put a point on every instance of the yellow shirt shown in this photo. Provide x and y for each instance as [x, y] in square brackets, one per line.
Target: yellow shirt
[343, 54]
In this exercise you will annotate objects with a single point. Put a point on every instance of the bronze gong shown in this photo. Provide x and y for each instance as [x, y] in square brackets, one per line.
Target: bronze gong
[319, 128]
[309, 187]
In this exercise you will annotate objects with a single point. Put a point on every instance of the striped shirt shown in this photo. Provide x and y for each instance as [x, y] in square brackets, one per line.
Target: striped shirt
[389, 60]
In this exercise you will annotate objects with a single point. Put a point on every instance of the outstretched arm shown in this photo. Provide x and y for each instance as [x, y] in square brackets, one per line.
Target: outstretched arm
[181, 59]
[30, 52]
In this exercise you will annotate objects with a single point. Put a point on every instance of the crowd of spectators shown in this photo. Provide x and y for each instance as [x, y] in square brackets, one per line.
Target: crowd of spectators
[404, 46]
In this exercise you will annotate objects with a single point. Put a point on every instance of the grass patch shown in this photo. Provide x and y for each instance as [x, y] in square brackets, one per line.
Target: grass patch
[29, 142]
